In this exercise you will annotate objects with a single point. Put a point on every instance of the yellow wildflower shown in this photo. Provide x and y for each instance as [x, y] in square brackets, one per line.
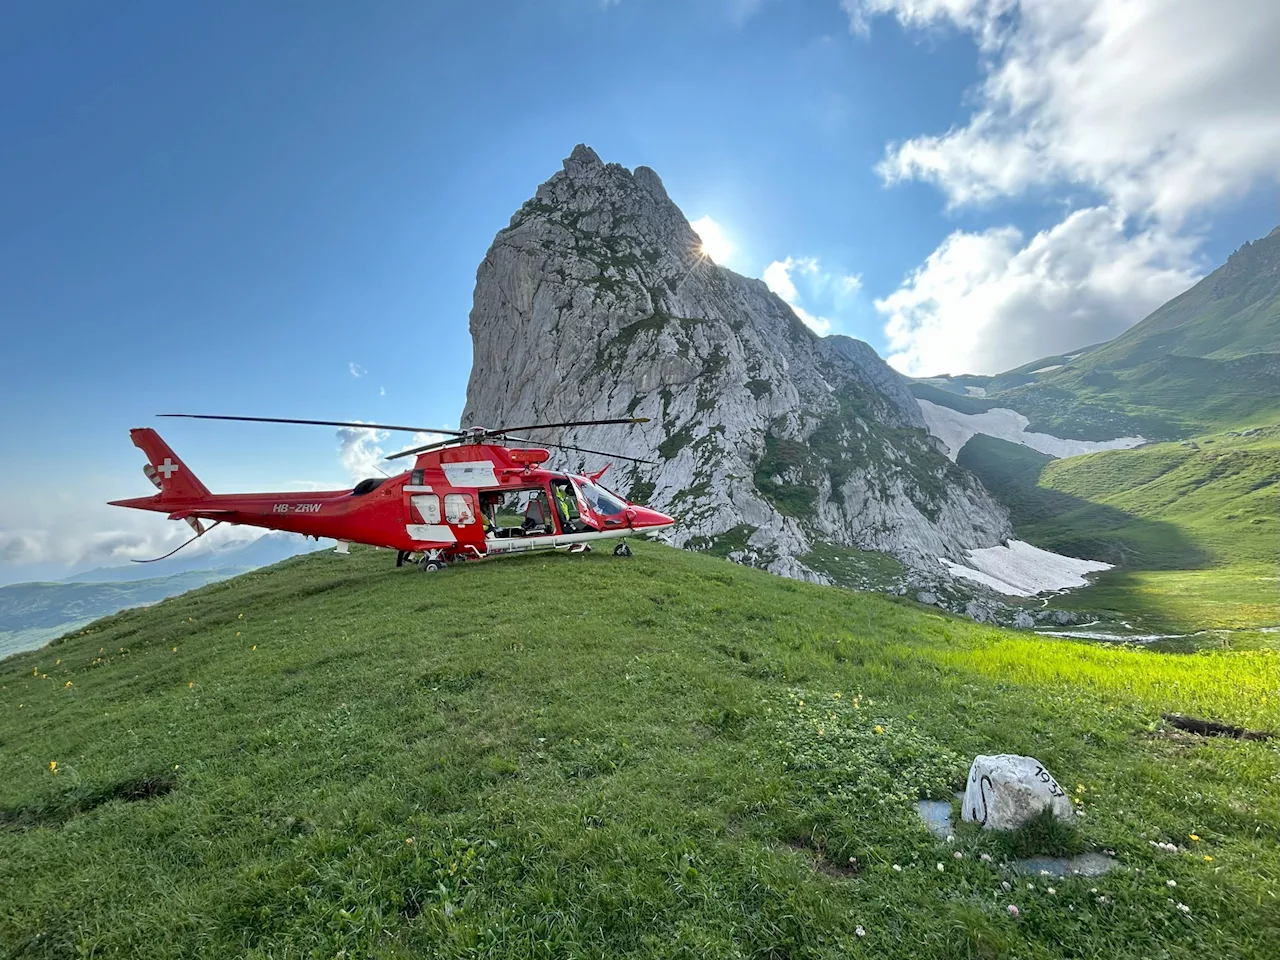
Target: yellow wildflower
[67, 684]
[190, 684]
[175, 649]
[1193, 836]
[56, 662]
[836, 695]
[879, 729]
[255, 646]
[1208, 858]
[53, 765]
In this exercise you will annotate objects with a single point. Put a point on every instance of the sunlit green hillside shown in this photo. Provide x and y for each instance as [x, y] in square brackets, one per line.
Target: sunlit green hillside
[1194, 526]
[583, 756]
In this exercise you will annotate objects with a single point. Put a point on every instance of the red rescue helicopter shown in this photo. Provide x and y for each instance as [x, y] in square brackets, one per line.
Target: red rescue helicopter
[468, 497]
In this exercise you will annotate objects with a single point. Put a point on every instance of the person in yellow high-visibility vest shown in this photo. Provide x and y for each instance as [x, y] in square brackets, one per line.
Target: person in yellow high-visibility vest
[563, 501]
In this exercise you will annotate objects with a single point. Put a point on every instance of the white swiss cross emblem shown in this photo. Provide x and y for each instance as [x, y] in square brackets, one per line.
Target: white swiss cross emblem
[168, 468]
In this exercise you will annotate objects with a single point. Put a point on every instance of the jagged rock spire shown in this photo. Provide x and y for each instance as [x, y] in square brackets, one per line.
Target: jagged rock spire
[596, 301]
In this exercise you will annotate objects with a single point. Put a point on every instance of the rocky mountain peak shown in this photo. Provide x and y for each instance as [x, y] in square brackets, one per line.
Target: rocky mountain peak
[595, 301]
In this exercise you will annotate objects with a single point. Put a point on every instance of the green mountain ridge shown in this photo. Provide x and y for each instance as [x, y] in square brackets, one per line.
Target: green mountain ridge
[1206, 361]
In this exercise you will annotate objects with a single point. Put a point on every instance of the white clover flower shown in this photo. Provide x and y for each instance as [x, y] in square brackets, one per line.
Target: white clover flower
[958, 855]
[941, 868]
[1004, 885]
[1052, 891]
[897, 868]
[1171, 883]
[986, 858]
[1184, 908]
[859, 931]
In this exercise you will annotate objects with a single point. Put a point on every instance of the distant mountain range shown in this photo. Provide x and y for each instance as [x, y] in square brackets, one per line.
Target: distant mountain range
[33, 613]
[1207, 360]
[241, 554]
[1192, 523]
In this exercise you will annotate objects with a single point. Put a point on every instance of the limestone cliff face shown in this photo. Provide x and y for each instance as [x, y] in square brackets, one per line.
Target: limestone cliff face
[595, 302]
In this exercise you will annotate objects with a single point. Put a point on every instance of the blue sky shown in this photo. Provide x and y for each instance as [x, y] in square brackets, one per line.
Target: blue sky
[236, 207]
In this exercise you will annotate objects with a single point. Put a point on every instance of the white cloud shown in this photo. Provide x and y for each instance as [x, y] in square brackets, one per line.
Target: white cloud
[778, 276]
[53, 543]
[357, 371]
[382, 391]
[361, 454]
[985, 302]
[1164, 107]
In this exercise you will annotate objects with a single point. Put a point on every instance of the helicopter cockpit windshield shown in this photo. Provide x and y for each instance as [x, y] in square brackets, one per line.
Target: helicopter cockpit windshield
[600, 500]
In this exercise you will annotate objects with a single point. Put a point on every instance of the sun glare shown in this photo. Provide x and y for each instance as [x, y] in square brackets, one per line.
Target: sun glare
[714, 243]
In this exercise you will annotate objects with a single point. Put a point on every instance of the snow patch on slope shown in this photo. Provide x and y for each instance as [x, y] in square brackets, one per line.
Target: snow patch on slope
[954, 429]
[1018, 569]
[976, 391]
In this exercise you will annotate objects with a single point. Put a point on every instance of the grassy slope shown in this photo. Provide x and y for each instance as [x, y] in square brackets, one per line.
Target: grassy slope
[581, 756]
[1195, 529]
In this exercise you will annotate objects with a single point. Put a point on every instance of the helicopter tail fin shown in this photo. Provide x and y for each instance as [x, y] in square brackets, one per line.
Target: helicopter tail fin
[165, 469]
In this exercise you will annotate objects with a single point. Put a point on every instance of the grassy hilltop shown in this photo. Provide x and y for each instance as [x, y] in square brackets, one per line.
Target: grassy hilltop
[555, 756]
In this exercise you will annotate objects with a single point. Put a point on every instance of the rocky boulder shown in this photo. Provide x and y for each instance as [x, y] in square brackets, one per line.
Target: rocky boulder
[1005, 791]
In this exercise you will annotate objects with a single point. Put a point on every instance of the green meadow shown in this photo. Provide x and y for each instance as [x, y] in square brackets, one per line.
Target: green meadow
[1193, 528]
[587, 756]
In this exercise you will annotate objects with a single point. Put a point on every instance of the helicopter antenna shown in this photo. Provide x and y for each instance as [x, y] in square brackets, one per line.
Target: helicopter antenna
[177, 548]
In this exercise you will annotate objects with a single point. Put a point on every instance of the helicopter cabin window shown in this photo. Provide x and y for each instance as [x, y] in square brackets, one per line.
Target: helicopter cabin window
[458, 509]
[415, 478]
[428, 507]
[603, 502]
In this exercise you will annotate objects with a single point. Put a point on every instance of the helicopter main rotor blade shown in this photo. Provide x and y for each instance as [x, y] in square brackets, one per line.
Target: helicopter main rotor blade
[576, 423]
[565, 446]
[425, 447]
[321, 423]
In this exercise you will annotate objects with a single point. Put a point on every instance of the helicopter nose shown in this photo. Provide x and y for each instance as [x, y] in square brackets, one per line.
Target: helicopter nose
[643, 518]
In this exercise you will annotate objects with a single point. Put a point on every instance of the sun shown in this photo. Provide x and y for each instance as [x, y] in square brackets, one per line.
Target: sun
[714, 243]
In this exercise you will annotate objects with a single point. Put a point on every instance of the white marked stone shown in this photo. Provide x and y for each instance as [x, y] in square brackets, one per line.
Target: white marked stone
[1005, 791]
